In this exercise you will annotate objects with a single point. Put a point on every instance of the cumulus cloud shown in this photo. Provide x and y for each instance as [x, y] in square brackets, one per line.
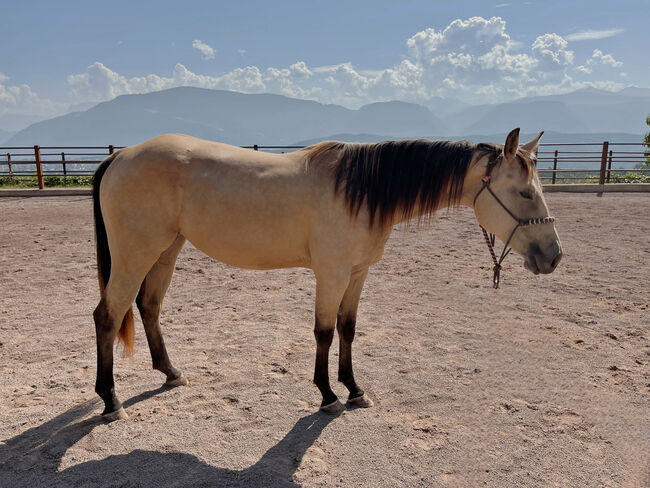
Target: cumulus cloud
[551, 52]
[22, 100]
[589, 35]
[473, 59]
[476, 59]
[207, 51]
[101, 83]
[599, 58]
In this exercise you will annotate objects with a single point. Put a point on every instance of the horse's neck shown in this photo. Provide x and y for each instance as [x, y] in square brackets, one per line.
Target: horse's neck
[418, 213]
[471, 186]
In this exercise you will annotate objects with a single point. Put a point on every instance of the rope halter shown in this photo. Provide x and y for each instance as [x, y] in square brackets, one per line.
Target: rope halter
[490, 238]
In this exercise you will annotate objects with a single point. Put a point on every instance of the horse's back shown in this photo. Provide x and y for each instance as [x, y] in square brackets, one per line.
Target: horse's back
[246, 208]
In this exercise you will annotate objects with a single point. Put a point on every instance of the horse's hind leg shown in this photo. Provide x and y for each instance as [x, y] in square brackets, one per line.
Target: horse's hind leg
[345, 324]
[149, 303]
[118, 297]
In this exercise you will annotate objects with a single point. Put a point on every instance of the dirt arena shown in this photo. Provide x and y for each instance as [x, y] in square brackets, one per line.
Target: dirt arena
[544, 382]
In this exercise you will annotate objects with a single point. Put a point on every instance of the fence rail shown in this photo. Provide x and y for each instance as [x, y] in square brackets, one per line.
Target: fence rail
[566, 161]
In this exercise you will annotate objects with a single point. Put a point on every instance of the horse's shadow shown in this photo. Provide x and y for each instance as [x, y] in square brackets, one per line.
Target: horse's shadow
[32, 458]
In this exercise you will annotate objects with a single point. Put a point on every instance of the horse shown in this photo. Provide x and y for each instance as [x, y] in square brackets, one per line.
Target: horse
[329, 207]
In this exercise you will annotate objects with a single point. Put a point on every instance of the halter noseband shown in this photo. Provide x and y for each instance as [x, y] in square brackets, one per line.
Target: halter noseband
[490, 238]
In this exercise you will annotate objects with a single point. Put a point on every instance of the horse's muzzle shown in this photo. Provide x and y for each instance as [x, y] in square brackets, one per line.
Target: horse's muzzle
[543, 262]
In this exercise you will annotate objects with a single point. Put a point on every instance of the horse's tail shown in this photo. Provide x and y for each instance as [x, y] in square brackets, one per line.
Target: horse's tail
[126, 334]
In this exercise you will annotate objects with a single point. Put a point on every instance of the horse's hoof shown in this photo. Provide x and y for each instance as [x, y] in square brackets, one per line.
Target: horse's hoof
[362, 401]
[334, 408]
[180, 381]
[119, 414]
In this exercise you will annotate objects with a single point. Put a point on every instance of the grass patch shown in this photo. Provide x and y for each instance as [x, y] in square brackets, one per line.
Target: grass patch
[48, 181]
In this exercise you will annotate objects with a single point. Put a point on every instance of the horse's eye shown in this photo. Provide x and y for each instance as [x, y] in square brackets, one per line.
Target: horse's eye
[527, 194]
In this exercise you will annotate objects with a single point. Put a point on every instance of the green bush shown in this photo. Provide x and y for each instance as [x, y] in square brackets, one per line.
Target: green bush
[48, 181]
[630, 178]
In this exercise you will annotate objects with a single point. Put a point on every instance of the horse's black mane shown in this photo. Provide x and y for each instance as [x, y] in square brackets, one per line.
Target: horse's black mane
[395, 177]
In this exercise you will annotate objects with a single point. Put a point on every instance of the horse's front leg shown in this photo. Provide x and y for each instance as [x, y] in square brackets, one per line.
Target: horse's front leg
[330, 287]
[346, 322]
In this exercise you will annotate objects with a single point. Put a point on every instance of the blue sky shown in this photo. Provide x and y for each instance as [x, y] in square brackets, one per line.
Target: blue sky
[56, 55]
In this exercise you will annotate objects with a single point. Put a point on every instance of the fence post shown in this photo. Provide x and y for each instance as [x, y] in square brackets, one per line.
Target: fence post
[65, 171]
[554, 168]
[111, 149]
[39, 167]
[603, 163]
[609, 165]
[11, 172]
[255, 147]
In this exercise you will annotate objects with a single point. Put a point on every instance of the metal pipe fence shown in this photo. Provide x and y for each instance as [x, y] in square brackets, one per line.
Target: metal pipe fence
[592, 162]
[587, 162]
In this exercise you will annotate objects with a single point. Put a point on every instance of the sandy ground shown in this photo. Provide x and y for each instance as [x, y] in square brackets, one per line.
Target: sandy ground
[544, 382]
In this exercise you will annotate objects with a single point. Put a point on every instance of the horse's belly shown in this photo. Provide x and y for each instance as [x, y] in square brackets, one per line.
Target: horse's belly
[252, 254]
[252, 240]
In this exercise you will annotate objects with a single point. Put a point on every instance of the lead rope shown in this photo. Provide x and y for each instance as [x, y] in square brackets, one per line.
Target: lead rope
[489, 240]
[497, 267]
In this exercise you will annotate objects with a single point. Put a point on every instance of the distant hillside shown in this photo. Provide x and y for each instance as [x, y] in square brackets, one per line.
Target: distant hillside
[586, 110]
[266, 119]
[231, 117]
[549, 137]
[4, 135]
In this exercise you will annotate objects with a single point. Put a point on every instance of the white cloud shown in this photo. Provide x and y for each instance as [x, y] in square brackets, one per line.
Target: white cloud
[551, 52]
[474, 60]
[599, 62]
[589, 35]
[207, 51]
[102, 83]
[599, 58]
[22, 100]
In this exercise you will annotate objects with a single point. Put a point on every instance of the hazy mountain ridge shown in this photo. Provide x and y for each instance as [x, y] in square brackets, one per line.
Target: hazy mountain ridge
[4, 135]
[549, 136]
[269, 119]
[226, 116]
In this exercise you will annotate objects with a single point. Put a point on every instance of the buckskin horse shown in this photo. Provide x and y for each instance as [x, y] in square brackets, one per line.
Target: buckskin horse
[330, 207]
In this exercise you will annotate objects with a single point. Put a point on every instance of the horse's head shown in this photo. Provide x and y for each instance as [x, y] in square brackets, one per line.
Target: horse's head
[509, 201]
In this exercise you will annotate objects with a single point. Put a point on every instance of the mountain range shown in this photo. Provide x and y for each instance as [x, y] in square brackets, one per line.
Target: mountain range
[268, 119]
[4, 135]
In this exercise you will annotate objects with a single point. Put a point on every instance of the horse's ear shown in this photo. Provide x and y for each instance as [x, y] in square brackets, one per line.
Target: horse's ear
[511, 145]
[531, 146]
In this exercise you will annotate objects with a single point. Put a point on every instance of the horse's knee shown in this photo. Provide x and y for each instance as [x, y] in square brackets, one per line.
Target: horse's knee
[324, 337]
[346, 329]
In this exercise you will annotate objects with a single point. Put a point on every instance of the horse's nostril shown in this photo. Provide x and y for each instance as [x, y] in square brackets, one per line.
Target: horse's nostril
[556, 260]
